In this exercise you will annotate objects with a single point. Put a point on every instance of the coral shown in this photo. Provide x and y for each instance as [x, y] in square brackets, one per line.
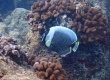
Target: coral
[47, 68]
[31, 57]
[51, 9]
[94, 26]
[12, 56]
[9, 47]
[89, 23]
[35, 26]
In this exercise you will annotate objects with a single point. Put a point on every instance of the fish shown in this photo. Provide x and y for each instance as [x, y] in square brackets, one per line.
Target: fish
[61, 40]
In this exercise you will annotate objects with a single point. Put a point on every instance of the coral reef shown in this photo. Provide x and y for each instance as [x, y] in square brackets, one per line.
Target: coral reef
[16, 24]
[9, 47]
[32, 40]
[89, 62]
[12, 56]
[10, 51]
[89, 23]
[47, 68]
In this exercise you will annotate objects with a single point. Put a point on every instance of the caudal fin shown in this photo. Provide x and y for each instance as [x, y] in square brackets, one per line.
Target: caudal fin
[75, 46]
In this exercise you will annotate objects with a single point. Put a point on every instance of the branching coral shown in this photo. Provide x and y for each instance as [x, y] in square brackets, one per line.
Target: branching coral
[52, 9]
[88, 22]
[47, 68]
[90, 25]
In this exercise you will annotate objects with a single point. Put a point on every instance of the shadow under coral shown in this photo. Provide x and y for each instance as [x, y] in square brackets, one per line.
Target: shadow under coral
[90, 61]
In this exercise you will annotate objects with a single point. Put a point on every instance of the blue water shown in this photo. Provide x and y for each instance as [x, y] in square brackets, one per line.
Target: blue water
[7, 6]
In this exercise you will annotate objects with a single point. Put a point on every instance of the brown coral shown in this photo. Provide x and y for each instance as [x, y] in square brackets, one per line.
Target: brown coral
[91, 28]
[52, 9]
[89, 23]
[48, 68]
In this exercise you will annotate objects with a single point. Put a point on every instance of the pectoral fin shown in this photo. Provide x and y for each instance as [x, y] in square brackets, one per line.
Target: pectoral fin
[48, 43]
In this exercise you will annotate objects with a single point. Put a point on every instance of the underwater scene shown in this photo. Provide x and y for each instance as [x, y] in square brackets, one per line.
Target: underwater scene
[54, 39]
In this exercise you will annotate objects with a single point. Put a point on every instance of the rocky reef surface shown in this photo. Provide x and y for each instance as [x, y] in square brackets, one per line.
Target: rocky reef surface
[13, 71]
[90, 62]
[13, 61]
[15, 25]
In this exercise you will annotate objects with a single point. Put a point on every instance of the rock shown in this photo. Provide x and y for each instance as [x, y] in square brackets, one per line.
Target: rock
[17, 26]
[3, 28]
[1, 74]
[20, 77]
[11, 71]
